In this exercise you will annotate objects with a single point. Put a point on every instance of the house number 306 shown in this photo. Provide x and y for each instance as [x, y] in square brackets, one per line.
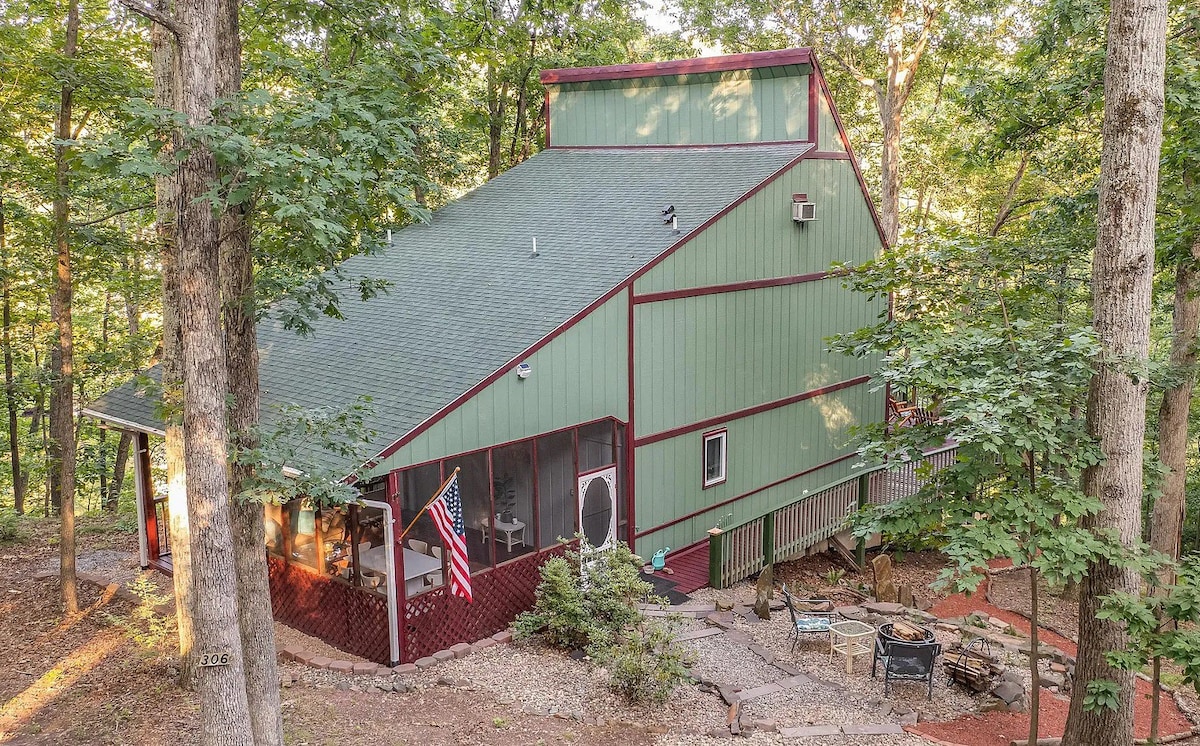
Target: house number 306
[214, 659]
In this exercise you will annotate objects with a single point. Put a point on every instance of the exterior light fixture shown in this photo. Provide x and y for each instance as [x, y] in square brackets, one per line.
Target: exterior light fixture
[524, 370]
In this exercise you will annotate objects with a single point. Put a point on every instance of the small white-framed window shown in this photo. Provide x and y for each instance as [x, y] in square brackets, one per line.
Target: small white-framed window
[714, 457]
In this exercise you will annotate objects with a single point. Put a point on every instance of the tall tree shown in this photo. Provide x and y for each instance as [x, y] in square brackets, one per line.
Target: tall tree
[62, 410]
[165, 64]
[10, 388]
[255, 617]
[1122, 274]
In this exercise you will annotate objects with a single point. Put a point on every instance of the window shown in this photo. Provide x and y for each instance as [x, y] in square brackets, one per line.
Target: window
[714, 458]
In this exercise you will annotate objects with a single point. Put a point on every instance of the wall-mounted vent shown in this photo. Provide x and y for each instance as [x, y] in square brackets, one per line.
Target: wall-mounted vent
[803, 211]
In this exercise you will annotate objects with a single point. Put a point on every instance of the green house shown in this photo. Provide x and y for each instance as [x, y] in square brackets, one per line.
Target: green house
[622, 336]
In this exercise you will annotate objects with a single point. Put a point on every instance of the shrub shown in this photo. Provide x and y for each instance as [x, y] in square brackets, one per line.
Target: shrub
[10, 526]
[589, 599]
[647, 666]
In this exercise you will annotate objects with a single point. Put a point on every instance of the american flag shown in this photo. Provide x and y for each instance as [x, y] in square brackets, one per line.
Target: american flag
[446, 510]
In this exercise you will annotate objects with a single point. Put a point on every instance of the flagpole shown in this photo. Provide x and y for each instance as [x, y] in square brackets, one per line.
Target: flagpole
[436, 495]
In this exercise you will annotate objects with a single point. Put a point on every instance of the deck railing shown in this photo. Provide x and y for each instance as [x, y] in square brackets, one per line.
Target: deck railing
[740, 551]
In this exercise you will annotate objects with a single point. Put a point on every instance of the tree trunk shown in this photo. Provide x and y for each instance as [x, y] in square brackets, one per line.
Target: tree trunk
[256, 621]
[889, 202]
[1035, 685]
[10, 385]
[224, 712]
[62, 392]
[165, 62]
[496, 96]
[1122, 271]
[1166, 528]
[113, 497]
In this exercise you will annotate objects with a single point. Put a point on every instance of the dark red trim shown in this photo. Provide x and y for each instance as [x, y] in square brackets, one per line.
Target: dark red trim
[749, 411]
[676, 146]
[630, 505]
[744, 495]
[627, 283]
[746, 61]
[464, 454]
[830, 156]
[142, 464]
[837, 120]
[732, 287]
[704, 458]
[814, 121]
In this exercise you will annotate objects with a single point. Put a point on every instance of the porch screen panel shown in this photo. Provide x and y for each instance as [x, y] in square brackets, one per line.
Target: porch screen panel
[417, 486]
[273, 518]
[476, 490]
[556, 487]
[622, 512]
[512, 484]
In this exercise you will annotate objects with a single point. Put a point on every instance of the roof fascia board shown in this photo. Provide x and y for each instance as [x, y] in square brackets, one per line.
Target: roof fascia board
[124, 424]
[747, 61]
[678, 146]
[626, 283]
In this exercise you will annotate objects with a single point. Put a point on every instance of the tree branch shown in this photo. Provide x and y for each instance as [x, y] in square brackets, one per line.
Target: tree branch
[111, 215]
[153, 15]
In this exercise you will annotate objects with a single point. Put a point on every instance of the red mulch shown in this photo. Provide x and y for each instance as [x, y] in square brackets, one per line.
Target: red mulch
[1000, 728]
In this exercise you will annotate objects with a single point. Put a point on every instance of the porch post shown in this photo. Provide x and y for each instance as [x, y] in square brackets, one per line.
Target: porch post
[146, 495]
[397, 579]
[139, 502]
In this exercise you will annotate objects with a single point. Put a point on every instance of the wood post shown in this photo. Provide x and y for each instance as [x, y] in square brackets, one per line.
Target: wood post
[864, 498]
[716, 555]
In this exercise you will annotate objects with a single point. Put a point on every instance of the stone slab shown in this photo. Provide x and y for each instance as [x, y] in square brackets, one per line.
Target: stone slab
[320, 662]
[341, 667]
[405, 668]
[697, 634]
[461, 649]
[426, 662]
[504, 636]
[483, 644]
[443, 655]
[872, 729]
[809, 731]
[365, 669]
[760, 691]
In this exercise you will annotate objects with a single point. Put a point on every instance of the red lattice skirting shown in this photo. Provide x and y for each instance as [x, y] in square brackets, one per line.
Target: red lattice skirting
[435, 620]
[351, 619]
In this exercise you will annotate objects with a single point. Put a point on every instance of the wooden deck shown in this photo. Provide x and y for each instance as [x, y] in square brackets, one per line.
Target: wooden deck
[690, 567]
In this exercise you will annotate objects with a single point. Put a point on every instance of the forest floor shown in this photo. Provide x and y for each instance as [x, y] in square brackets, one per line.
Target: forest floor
[108, 676]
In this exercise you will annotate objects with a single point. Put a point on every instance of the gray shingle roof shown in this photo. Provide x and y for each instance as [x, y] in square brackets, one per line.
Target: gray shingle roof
[467, 297]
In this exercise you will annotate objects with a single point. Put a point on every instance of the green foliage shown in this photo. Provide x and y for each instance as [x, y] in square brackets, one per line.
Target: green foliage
[10, 526]
[145, 626]
[1162, 621]
[1102, 694]
[980, 329]
[590, 607]
[648, 664]
[593, 606]
[290, 437]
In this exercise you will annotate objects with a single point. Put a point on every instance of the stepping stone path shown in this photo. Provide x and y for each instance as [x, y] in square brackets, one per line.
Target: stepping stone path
[722, 623]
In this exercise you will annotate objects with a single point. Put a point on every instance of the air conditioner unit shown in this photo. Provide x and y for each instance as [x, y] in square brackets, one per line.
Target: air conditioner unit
[803, 211]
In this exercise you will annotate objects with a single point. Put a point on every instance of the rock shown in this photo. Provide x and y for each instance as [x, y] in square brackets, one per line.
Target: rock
[905, 596]
[505, 636]
[426, 662]
[577, 655]
[720, 733]
[857, 613]
[885, 709]
[532, 709]
[885, 587]
[454, 681]
[343, 686]
[910, 719]
[1057, 667]
[405, 668]
[1009, 692]
[365, 669]
[763, 590]
[461, 649]
[724, 603]
[767, 726]
[1051, 680]
[889, 608]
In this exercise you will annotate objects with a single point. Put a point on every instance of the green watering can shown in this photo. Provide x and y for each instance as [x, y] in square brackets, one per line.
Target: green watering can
[659, 560]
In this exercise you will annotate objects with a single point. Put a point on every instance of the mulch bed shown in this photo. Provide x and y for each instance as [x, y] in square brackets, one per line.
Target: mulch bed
[1000, 728]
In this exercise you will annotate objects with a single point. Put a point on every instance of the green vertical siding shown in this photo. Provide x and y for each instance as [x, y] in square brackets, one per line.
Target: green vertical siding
[758, 239]
[710, 355]
[577, 377]
[828, 140]
[738, 106]
[763, 449]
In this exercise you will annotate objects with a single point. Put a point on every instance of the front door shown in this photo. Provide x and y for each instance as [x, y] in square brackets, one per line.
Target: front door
[598, 507]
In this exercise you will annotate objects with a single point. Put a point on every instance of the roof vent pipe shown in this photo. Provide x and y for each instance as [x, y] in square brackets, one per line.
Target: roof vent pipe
[535, 253]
